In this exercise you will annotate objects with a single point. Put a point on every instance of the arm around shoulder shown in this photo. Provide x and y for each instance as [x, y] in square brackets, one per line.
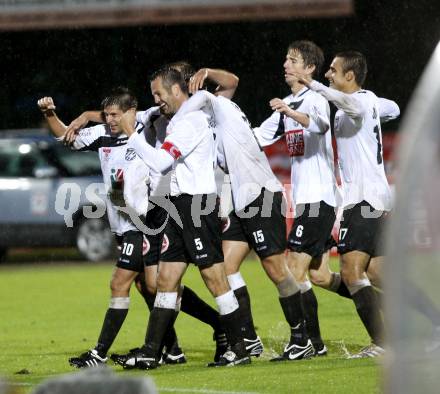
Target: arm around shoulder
[348, 103]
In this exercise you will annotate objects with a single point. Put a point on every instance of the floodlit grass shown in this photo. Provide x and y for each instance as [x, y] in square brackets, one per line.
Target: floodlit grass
[50, 313]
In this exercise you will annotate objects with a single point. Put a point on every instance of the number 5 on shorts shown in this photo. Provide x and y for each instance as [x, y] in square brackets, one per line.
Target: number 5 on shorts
[198, 242]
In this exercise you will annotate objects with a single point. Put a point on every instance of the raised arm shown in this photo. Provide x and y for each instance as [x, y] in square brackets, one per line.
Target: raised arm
[282, 107]
[80, 122]
[47, 107]
[226, 81]
[157, 159]
[195, 103]
[388, 110]
[345, 102]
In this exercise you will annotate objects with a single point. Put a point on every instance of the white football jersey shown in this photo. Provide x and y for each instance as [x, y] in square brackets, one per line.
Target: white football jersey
[190, 142]
[115, 156]
[359, 140]
[238, 151]
[310, 149]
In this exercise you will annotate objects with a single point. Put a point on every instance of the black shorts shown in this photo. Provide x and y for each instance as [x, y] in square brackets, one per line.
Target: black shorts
[264, 232]
[361, 230]
[199, 241]
[131, 251]
[232, 230]
[311, 230]
[156, 221]
[138, 249]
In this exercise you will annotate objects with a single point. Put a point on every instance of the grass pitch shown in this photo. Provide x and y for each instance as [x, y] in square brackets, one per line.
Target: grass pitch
[49, 313]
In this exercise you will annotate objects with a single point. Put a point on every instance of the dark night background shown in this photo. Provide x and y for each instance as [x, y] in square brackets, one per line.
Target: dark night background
[78, 67]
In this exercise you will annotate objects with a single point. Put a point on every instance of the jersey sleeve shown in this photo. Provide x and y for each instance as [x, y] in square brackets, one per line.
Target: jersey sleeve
[319, 116]
[156, 159]
[88, 138]
[196, 102]
[388, 110]
[182, 140]
[137, 186]
[148, 116]
[271, 130]
[351, 104]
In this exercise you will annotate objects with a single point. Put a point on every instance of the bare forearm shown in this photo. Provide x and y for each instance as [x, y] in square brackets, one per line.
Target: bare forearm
[93, 116]
[300, 117]
[56, 126]
[227, 82]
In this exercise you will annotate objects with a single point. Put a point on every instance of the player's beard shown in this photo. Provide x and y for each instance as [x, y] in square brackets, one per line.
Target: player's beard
[163, 107]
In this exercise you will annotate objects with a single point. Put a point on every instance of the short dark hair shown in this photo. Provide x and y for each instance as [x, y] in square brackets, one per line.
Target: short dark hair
[184, 68]
[122, 97]
[170, 76]
[310, 52]
[356, 62]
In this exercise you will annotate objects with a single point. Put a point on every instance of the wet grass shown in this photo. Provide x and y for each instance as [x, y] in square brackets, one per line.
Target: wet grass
[50, 312]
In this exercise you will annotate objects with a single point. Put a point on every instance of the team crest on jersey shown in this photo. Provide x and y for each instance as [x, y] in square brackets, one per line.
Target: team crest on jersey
[295, 142]
[165, 244]
[226, 223]
[130, 154]
[145, 246]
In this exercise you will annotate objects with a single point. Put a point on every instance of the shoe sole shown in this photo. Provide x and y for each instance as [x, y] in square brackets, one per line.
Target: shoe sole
[321, 353]
[173, 359]
[140, 364]
[242, 361]
[305, 356]
[255, 352]
[76, 364]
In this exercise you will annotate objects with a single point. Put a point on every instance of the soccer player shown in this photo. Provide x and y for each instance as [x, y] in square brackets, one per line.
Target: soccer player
[155, 124]
[367, 196]
[256, 221]
[188, 150]
[303, 119]
[138, 252]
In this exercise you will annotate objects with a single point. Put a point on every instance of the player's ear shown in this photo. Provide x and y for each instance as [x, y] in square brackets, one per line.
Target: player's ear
[175, 90]
[349, 76]
[310, 69]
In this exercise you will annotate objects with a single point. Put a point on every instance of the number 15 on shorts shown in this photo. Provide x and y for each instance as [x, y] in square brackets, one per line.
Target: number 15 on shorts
[258, 236]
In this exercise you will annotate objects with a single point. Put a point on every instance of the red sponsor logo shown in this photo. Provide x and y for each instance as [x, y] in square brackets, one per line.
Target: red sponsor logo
[295, 142]
[107, 150]
[171, 149]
